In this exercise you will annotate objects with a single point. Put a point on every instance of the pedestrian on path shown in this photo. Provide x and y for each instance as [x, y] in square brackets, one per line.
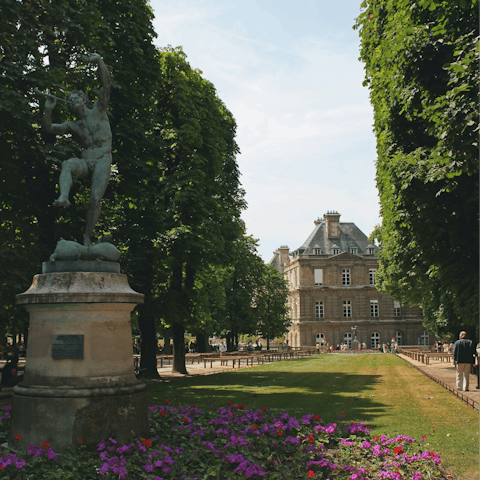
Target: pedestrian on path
[464, 354]
[478, 366]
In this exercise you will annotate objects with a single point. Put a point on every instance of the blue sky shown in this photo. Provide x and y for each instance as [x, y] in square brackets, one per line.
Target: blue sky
[290, 75]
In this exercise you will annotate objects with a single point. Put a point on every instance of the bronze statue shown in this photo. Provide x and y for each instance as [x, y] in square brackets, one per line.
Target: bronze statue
[92, 131]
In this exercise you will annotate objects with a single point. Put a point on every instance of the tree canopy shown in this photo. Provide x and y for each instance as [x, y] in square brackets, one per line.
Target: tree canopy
[421, 63]
[174, 198]
[41, 45]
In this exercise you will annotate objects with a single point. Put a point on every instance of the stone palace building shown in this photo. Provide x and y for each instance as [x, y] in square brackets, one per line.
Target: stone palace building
[332, 290]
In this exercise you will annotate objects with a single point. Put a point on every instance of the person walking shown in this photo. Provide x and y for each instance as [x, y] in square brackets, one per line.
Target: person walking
[10, 377]
[464, 354]
[478, 366]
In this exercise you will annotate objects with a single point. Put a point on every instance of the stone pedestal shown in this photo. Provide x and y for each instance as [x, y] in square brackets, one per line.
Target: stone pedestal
[79, 379]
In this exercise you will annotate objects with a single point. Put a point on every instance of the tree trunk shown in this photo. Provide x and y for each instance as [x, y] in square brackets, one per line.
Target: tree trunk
[167, 350]
[268, 342]
[148, 354]
[146, 325]
[178, 331]
[176, 315]
[229, 342]
[202, 342]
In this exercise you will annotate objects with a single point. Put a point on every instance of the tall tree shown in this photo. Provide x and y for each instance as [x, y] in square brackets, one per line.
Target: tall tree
[421, 62]
[174, 199]
[271, 305]
[200, 187]
[245, 278]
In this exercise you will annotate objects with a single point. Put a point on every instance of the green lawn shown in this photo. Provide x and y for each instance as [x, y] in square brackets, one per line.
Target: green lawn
[381, 390]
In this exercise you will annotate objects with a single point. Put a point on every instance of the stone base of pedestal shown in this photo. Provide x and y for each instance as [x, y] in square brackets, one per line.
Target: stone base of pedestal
[79, 381]
[63, 421]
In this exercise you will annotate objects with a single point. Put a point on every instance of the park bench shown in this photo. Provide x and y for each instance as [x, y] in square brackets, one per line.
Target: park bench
[441, 357]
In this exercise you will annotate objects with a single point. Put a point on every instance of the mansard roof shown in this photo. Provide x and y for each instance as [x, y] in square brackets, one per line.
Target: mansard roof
[350, 236]
[275, 261]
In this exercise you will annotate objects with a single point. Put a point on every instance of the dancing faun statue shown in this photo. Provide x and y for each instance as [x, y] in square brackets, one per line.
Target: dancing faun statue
[92, 130]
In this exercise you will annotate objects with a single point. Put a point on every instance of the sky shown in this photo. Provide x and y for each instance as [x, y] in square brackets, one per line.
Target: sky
[289, 73]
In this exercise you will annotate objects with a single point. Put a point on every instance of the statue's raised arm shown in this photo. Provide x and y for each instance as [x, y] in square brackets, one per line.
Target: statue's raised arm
[104, 96]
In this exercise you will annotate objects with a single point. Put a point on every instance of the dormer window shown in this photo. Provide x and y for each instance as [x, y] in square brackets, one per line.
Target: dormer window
[317, 251]
[354, 250]
[371, 251]
[336, 249]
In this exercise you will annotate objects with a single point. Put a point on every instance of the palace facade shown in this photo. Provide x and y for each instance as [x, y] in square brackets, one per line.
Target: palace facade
[332, 291]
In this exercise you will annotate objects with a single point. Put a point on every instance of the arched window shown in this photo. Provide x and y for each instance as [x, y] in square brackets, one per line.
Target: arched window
[375, 340]
[347, 338]
[398, 337]
[320, 338]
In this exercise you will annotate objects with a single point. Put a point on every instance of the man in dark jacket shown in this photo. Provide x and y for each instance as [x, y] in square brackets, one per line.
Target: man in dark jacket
[464, 353]
[9, 373]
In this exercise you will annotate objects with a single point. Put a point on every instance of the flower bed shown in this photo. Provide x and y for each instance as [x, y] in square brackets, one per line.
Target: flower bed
[230, 442]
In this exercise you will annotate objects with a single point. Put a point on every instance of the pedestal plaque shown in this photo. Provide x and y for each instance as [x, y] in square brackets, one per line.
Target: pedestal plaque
[67, 346]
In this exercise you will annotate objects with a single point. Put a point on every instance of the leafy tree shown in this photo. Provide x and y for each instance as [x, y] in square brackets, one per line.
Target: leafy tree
[247, 269]
[174, 197]
[199, 188]
[271, 305]
[421, 62]
[42, 43]
[376, 236]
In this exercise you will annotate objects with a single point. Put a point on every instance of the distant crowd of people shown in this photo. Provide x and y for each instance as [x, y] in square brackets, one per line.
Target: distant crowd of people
[390, 347]
[442, 346]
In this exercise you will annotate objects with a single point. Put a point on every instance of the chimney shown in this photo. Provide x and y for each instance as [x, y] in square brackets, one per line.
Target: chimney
[332, 221]
[283, 250]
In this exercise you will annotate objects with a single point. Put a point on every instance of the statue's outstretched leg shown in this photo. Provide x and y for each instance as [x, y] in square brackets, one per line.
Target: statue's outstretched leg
[100, 177]
[73, 167]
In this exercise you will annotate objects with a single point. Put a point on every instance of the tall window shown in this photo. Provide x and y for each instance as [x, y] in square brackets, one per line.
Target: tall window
[371, 273]
[354, 250]
[320, 338]
[347, 338]
[346, 276]
[319, 312]
[375, 340]
[374, 308]
[318, 274]
[424, 338]
[397, 309]
[398, 337]
[347, 309]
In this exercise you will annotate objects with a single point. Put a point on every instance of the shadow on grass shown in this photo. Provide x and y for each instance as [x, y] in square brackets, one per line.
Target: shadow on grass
[328, 394]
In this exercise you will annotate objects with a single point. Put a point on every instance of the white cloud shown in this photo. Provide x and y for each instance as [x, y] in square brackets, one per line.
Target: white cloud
[304, 119]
